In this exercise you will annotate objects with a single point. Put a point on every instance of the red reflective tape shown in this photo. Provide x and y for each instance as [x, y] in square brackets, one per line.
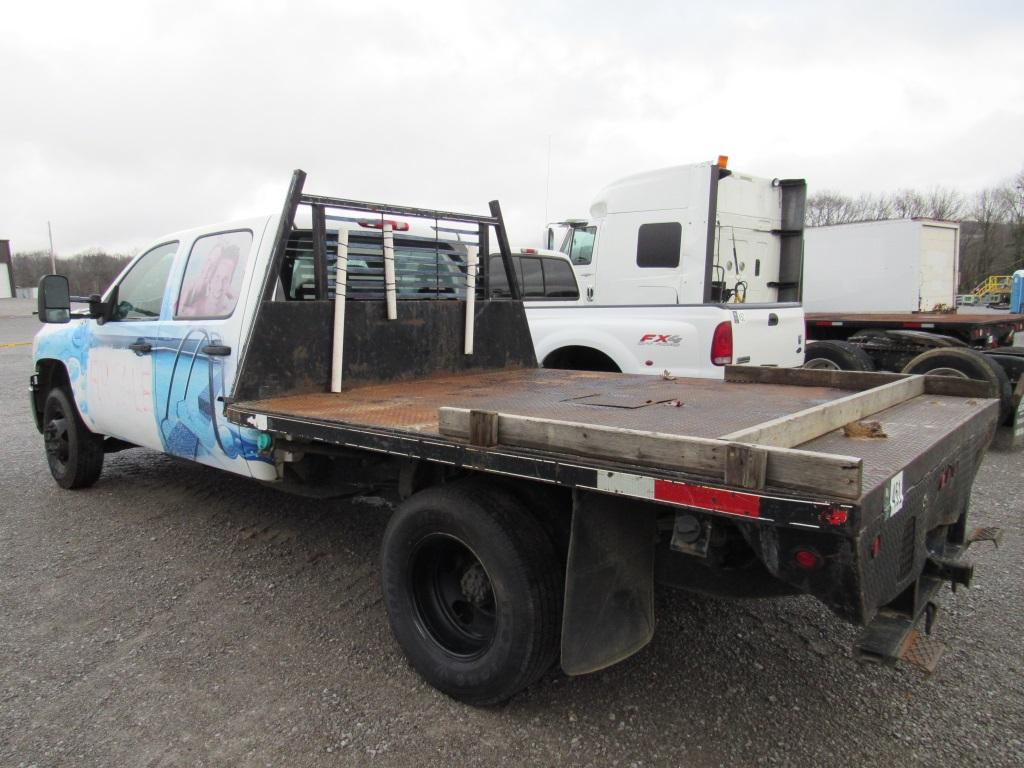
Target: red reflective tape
[822, 322]
[708, 498]
[911, 325]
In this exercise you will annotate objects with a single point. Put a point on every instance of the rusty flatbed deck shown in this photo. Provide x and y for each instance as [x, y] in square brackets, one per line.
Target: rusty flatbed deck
[696, 408]
[706, 408]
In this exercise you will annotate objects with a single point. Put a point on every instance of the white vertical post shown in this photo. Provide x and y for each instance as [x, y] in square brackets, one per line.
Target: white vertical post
[389, 271]
[471, 262]
[340, 289]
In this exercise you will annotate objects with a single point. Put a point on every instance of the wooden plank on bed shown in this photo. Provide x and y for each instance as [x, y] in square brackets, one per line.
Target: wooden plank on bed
[819, 473]
[797, 428]
[809, 377]
[953, 386]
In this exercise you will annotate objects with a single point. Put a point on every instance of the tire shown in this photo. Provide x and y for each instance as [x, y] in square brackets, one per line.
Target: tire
[968, 364]
[837, 356]
[473, 589]
[75, 454]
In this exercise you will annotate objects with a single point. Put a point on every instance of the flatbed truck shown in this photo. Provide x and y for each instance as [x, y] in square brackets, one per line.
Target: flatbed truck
[537, 508]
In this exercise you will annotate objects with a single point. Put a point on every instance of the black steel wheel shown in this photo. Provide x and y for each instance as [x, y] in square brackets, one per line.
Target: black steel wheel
[74, 454]
[837, 356]
[473, 588]
[452, 595]
[967, 364]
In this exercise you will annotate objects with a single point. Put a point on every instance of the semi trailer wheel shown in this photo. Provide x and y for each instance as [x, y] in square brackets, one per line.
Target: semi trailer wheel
[75, 454]
[967, 364]
[473, 589]
[837, 356]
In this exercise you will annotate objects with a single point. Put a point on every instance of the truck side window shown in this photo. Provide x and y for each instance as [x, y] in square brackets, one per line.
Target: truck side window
[141, 293]
[499, 281]
[657, 245]
[532, 277]
[581, 251]
[559, 280]
[213, 276]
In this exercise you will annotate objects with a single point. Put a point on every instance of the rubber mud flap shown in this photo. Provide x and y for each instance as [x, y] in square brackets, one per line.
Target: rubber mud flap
[609, 585]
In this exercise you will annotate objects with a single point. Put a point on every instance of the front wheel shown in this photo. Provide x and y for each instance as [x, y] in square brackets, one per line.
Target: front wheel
[75, 454]
[473, 589]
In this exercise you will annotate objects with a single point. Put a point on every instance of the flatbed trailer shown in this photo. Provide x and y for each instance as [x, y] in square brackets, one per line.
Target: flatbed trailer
[986, 331]
[537, 508]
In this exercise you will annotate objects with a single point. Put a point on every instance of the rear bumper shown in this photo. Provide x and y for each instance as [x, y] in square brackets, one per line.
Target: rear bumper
[895, 632]
[884, 554]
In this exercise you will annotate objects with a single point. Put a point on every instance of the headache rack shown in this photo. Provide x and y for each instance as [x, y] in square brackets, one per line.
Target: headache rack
[320, 205]
[383, 260]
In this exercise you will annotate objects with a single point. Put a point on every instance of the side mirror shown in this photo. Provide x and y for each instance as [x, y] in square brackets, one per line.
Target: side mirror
[54, 299]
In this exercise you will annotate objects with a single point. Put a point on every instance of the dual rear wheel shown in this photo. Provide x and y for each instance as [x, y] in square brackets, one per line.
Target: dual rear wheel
[473, 588]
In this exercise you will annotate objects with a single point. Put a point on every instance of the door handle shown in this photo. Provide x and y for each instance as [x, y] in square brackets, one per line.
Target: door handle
[216, 350]
[590, 293]
[141, 347]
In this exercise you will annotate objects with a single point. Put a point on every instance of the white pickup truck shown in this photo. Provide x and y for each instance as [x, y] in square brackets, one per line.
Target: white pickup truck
[685, 269]
[536, 508]
[692, 341]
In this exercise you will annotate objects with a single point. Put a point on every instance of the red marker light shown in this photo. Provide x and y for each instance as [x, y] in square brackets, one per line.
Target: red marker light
[527, 250]
[396, 226]
[835, 516]
[806, 559]
[876, 547]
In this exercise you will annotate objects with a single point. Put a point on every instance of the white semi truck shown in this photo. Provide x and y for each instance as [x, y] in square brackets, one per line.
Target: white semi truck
[684, 269]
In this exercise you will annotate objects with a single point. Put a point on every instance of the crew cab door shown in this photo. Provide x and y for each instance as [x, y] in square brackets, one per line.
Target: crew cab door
[118, 370]
[196, 362]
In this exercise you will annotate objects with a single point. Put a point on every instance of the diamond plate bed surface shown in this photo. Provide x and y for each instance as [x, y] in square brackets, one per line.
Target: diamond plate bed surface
[692, 407]
[706, 408]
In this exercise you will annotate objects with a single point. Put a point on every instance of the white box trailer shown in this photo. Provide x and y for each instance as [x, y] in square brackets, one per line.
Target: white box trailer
[903, 265]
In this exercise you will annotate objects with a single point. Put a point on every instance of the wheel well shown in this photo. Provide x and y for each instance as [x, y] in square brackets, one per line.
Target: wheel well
[50, 374]
[581, 359]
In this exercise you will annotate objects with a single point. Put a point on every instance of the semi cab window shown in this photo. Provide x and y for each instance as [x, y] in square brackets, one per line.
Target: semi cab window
[141, 293]
[213, 275]
[540, 278]
[581, 252]
[657, 245]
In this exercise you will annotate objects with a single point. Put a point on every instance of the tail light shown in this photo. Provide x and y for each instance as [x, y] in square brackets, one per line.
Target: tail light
[721, 344]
